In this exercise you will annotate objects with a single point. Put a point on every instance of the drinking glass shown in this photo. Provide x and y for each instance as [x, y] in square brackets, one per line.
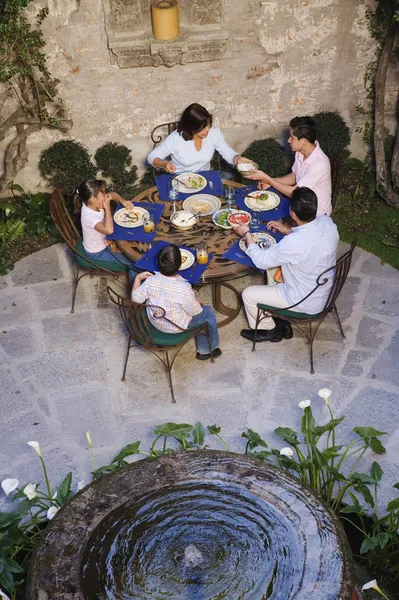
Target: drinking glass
[202, 253]
[149, 225]
[172, 193]
[255, 221]
[229, 196]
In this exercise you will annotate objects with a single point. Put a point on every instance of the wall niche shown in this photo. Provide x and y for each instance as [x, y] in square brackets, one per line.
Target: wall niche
[132, 44]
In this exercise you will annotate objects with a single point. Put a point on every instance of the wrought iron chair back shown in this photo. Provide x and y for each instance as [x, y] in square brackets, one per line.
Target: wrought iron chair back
[139, 330]
[336, 181]
[66, 228]
[310, 324]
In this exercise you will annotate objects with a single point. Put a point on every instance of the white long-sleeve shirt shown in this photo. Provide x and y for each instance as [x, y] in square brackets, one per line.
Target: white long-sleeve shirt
[185, 156]
[303, 254]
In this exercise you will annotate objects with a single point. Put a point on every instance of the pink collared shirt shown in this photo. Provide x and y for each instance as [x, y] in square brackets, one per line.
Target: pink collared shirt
[314, 172]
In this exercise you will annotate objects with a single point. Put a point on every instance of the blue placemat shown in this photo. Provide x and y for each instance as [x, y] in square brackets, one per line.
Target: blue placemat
[235, 252]
[193, 274]
[162, 182]
[282, 210]
[138, 234]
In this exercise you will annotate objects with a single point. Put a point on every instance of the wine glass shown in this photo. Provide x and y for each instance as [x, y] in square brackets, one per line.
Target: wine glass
[255, 221]
[172, 192]
[229, 196]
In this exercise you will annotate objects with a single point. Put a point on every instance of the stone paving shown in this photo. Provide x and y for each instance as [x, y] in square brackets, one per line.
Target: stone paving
[60, 372]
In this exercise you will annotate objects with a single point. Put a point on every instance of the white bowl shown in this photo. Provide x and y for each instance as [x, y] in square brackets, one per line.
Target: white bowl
[183, 219]
[247, 167]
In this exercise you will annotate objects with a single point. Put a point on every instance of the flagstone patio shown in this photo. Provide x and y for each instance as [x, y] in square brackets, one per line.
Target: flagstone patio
[60, 373]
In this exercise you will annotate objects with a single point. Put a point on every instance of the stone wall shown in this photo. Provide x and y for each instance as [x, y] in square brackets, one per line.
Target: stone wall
[281, 58]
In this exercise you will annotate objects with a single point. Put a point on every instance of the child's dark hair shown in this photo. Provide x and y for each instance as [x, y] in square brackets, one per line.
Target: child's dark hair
[86, 190]
[169, 260]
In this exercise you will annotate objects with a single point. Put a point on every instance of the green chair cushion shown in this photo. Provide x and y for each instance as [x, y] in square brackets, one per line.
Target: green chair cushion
[104, 264]
[160, 337]
[288, 313]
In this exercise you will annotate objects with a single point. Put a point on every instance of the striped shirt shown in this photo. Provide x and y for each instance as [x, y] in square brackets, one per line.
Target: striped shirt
[174, 294]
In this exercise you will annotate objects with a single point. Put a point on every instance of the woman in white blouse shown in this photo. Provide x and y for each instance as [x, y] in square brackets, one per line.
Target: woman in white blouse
[193, 144]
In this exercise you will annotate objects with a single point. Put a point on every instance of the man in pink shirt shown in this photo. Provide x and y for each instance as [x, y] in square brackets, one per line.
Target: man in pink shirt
[311, 167]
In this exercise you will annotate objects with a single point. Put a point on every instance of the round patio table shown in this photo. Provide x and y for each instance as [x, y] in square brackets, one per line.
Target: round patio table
[220, 270]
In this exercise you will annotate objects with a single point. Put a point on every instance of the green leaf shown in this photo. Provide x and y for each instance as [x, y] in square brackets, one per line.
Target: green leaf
[254, 439]
[393, 504]
[331, 452]
[214, 429]
[13, 566]
[368, 432]
[17, 188]
[319, 458]
[370, 543]
[396, 485]
[180, 430]
[263, 454]
[376, 472]
[362, 478]
[199, 434]
[308, 423]
[64, 489]
[128, 450]
[320, 429]
[365, 492]
[383, 538]
[287, 435]
[376, 446]
[7, 581]
[6, 518]
[105, 469]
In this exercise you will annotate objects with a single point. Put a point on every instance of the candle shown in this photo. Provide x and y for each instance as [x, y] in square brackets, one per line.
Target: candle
[165, 19]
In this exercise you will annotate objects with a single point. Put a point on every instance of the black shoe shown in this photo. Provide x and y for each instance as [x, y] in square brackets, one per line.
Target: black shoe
[285, 327]
[215, 354]
[263, 335]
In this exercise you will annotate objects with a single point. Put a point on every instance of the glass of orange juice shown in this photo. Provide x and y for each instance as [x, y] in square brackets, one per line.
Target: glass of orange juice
[149, 225]
[202, 253]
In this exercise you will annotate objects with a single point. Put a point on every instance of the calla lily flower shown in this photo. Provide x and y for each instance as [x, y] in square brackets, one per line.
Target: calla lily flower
[325, 393]
[81, 485]
[30, 491]
[371, 585]
[4, 596]
[287, 452]
[304, 404]
[9, 485]
[88, 437]
[54, 495]
[36, 447]
[52, 511]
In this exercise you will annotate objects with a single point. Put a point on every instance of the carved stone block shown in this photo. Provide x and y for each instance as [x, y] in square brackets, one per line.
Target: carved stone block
[131, 44]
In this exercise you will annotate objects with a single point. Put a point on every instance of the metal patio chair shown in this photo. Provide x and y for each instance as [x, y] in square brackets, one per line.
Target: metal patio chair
[306, 323]
[66, 227]
[142, 333]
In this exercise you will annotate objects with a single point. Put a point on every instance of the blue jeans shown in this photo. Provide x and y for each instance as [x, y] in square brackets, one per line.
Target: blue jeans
[109, 256]
[207, 315]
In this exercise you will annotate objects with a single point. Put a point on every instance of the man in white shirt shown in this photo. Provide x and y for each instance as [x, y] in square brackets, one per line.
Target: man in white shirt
[311, 167]
[306, 251]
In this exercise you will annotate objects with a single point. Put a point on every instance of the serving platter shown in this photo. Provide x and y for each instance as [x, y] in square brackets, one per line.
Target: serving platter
[202, 205]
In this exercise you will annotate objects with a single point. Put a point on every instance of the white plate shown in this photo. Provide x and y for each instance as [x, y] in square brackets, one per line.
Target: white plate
[188, 258]
[188, 181]
[263, 240]
[202, 204]
[121, 217]
[254, 203]
[222, 210]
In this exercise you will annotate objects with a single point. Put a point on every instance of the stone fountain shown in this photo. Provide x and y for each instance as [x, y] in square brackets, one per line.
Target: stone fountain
[195, 526]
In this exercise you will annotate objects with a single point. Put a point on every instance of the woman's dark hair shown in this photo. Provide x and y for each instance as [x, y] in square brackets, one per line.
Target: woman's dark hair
[304, 204]
[304, 127]
[194, 118]
[86, 190]
[169, 260]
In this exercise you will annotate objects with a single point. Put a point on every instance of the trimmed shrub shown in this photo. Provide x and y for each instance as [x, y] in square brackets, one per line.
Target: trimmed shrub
[115, 162]
[269, 155]
[333, 134]
[66, 164]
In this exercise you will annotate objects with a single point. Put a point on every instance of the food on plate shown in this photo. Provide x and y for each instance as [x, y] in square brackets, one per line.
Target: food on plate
[184, 257]
[239, 218]
[223, 218]
[191, 181]
[183, 219]
[263, 240]
[130, 217]
[199, 207]
[246, 167]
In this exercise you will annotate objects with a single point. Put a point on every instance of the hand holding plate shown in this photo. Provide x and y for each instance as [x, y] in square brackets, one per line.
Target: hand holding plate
[170, 167]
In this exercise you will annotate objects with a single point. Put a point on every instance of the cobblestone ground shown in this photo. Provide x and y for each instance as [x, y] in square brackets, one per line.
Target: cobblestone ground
[60, 373]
